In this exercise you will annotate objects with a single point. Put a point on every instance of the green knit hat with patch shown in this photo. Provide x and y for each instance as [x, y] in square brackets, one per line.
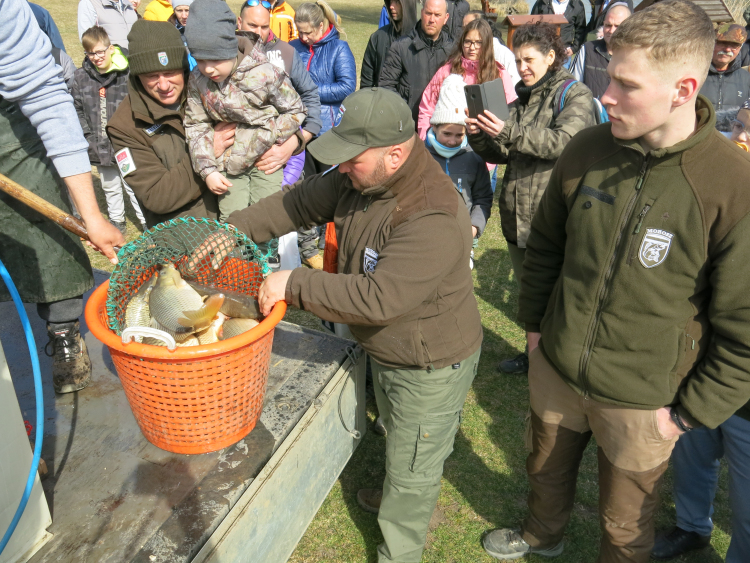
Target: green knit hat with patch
[154, 47]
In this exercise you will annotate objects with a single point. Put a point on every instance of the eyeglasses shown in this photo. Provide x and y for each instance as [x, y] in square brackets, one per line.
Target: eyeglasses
[468, 44]
[96, 54]
[739, 127]
[253, 3]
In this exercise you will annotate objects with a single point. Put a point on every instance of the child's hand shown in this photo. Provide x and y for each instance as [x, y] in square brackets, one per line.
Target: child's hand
[217, 183]
[474, 231]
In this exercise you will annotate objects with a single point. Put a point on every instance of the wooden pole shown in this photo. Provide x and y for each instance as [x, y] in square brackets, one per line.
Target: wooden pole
[40, 205]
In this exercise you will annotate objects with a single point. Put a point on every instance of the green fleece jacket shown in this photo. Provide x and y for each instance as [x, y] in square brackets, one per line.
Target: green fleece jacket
[636, 272]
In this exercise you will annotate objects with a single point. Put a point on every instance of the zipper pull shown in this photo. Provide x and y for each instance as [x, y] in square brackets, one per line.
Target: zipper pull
[369, 200]
[641, 215]
[641, 174]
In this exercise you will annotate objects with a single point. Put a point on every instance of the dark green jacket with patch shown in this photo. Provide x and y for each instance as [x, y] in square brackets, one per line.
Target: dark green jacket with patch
[636, 272]
[163, 179]
[403, 284]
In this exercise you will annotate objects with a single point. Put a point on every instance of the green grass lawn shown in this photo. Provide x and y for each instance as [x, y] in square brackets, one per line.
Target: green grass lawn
[485, 483]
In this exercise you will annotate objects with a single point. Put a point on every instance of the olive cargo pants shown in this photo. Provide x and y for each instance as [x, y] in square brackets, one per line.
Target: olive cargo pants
[421, 410]
[632, 458]
[48, 264]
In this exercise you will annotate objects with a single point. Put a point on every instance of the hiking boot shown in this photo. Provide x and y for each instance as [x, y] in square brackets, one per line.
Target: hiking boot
[314, 262]
[71, 365]
[379, 427]
[505, 544]
[121, 226]
[369, 500]
[677, 541]
[519, 364]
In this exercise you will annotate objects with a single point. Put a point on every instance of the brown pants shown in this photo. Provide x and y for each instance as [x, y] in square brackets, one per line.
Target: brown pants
[632, 458]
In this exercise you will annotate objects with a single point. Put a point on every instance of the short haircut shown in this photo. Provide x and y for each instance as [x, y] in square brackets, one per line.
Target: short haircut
[93, 36]
[424, 5]
[671, 32]
[544, 37]
[619, 6]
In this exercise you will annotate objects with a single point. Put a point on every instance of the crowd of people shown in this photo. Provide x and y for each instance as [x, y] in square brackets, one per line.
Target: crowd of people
[627, 239]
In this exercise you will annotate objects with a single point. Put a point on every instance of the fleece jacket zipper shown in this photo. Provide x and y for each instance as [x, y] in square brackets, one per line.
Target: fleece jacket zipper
[590, 337]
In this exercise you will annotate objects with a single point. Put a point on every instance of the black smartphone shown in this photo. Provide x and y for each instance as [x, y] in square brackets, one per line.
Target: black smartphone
[489, 96]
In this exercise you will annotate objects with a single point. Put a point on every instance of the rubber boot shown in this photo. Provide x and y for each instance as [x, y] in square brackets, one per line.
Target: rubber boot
[71, 365]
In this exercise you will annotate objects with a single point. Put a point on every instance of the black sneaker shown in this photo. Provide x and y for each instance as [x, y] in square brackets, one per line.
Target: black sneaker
[506, 544]
[122, 227]
[677, 541]
[519, 364]
[71, 365]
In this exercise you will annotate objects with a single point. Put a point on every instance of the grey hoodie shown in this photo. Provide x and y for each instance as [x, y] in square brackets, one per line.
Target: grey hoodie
[30, 77]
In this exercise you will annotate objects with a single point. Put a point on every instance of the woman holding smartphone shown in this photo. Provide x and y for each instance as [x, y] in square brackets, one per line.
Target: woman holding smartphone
[473, 58]
[531, 140]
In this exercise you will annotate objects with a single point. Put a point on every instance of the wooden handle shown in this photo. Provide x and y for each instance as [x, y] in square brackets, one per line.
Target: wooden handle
[65, 220]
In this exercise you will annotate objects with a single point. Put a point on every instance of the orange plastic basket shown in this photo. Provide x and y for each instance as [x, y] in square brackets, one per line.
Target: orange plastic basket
[196, 399]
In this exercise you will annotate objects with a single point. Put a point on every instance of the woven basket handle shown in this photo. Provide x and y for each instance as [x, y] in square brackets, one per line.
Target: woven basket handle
[130, 333]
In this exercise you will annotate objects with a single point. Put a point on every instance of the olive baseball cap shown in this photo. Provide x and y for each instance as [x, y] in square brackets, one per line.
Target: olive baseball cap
[372, 117]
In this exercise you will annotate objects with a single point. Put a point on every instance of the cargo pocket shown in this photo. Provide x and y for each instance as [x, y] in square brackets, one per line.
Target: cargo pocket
[434, 445]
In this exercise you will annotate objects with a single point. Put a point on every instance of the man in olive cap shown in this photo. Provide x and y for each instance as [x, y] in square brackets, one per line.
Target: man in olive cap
[728, 84]
[403, 287]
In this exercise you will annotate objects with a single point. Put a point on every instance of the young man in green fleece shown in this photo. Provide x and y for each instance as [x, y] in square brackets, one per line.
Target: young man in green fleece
[634, 292]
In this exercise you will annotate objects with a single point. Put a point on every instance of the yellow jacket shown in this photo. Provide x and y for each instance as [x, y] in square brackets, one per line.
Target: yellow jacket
[158, 11]
[282, 22]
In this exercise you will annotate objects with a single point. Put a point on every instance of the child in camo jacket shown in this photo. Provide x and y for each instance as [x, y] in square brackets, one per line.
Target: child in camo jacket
[234, 82]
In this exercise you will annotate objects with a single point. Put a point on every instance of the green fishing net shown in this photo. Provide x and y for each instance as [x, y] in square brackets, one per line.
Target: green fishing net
[203, 250]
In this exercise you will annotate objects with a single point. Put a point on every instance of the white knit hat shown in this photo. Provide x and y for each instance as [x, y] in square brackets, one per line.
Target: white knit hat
[451, 103]
[176, 3]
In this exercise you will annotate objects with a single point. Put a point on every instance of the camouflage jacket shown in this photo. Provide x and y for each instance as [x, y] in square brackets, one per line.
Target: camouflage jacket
[529, 145]
[257, 96]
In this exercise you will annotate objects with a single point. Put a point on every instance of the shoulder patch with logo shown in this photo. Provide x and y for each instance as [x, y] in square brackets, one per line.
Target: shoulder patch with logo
[150, 131]
[125, 162]
[654, 247]
[163, 58]
[371, 260]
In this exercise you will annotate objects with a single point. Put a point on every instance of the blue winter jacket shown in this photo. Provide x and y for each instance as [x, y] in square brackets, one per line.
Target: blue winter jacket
[331, 64]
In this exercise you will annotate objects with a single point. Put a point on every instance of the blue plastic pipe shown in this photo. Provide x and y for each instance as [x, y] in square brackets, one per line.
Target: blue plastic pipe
[39, 404]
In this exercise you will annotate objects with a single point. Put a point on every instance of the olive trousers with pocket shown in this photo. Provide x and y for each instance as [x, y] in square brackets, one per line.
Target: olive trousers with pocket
[248, 189]
[421, 410]
[632, 458]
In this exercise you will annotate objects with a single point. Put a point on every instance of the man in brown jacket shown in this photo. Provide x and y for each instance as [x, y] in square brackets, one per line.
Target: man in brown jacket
[147, 131]
[634, 292]
[403, 286]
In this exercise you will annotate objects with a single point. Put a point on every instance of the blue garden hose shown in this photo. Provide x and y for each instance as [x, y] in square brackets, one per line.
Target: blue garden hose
[39, 404]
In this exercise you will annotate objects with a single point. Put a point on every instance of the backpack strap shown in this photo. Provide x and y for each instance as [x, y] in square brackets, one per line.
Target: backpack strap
[559, 99]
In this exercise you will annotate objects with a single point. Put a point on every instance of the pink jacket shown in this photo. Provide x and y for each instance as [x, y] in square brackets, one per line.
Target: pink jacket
[432, 92]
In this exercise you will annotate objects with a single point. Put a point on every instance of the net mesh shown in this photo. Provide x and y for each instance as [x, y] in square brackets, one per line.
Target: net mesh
[203, 250]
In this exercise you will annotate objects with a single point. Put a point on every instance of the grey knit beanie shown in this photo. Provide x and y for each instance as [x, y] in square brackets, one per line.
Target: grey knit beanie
[210, 31]
[176, 3]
